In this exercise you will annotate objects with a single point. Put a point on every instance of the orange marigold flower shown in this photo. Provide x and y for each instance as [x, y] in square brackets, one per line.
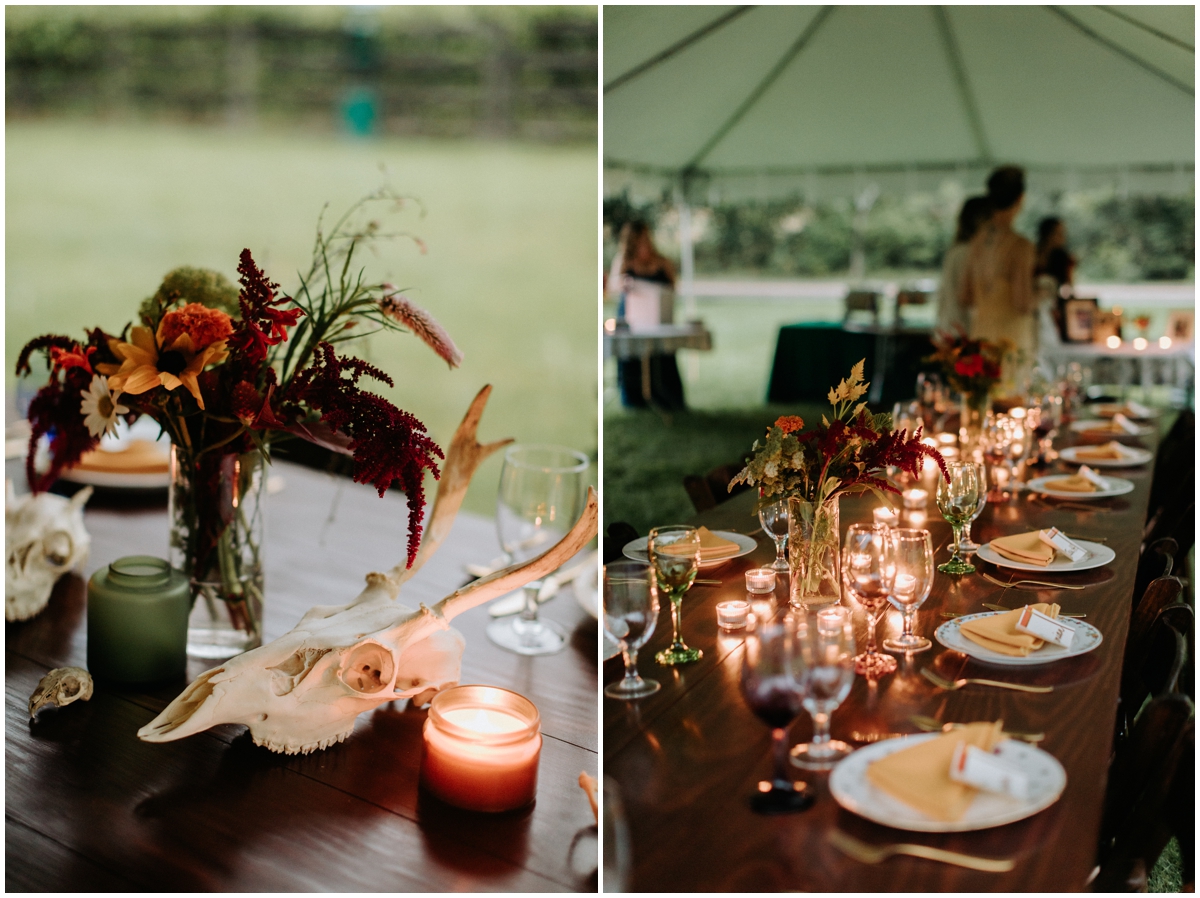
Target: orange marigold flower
[790, 423]
[204, 325]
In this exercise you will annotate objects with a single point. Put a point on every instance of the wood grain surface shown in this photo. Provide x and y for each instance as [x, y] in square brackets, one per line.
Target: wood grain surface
[687, 759]
[90, 807]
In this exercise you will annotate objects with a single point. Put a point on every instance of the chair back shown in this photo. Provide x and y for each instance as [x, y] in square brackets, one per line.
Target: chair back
[712, 489]
[1157, 560]
[905, 298]
[1155, 650]
[867, 301]
[1172, 507]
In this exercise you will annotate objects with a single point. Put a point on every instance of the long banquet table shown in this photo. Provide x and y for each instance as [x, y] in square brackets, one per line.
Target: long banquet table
[686, 759]
[91, 808]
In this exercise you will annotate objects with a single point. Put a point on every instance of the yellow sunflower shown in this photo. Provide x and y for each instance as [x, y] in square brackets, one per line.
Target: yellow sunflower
[144, 367]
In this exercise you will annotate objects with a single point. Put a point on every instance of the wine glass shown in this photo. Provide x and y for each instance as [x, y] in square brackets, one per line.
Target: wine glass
[826, 643]
[912, 553]
[675, 556]
[996, 440]
[957, 500]
[774, 520]
[867, 572]
[1020, 442]
[630, 614]
[541, 496]
[966, 545]
[773, 688]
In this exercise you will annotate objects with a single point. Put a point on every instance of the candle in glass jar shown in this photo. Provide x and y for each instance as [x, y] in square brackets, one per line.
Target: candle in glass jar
[885, 514]
[760, 579]
[482, 745]
[732, 615]
[915, 498]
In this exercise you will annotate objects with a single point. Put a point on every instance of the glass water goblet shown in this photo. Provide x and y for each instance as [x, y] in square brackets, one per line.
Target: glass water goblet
[957, 500]
[774, 520]
[966, 545]
[773, 687]
[912, 553]
[630, 615]
[867, 572]
[826, 643]
[675, 556]
[541, 496]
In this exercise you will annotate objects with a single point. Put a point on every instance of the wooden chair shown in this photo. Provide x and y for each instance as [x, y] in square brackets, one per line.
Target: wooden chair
[1157, 560]
[1172, 507]
[1157, 641]
[907, 298]
[862, 301]
[617, 535]
[712, 489]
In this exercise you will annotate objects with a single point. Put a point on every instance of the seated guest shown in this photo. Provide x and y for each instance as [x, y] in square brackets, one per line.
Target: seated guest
[952, 313]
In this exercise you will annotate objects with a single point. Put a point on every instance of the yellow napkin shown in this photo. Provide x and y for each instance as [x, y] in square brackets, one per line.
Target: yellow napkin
[1024, 547]
[711, 546]
[920, 776]
[998, 631]
[1106, 427]
[1110, 450]
[1073, 484]
[140, 457]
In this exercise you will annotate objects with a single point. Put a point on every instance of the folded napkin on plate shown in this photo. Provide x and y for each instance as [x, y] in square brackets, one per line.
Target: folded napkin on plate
[998, 632]
[1024, 547]
[1076, 483]
[711, 546]
[920, 776]
[139, 457]
[1111, 450]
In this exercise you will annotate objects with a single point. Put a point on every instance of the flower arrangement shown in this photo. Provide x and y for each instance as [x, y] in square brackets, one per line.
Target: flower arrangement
[845, 455]
[970, 367]
[227, 372]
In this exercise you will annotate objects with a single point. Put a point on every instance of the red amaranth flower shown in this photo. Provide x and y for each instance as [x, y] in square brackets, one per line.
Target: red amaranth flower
[389, 446]
[969, 366]
[789, 423]
[262, 324]
[204, 325]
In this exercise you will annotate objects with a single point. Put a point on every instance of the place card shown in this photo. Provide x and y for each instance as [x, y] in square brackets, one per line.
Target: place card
[973, 766]
[1044, 627]
[1056, 538]
[1092, 477]
[1138, 410]
[1126, 425]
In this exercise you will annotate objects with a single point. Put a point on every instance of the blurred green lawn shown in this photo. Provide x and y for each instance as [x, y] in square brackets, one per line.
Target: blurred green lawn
[96, 214]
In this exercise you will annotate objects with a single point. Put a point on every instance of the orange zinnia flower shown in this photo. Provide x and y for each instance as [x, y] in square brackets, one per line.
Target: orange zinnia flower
[790, 423]
[145, 366]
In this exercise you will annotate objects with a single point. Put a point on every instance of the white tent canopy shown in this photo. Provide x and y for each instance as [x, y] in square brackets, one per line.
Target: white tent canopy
[755, 98]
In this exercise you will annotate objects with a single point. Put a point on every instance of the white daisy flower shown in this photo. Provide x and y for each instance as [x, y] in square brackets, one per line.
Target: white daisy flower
[100, 408]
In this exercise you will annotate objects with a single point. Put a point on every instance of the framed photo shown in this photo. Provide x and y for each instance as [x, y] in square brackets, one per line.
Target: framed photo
[1105, 325]
[1181, 327]
[1078, 319]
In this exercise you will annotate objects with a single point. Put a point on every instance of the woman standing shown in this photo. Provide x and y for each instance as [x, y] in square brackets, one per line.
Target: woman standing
[952, 312]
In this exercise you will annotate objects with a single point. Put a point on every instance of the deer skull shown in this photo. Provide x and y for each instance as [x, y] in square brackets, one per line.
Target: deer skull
[45, 538]
[304, 690]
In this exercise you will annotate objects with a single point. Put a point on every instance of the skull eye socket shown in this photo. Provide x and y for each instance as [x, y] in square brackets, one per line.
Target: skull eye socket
[58, 547]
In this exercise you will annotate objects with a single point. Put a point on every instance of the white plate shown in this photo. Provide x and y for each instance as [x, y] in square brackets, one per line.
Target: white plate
[1109, 409]
[1116, 487]
[1098, 556]
[1134, 457]
[746, 544]
[1086, 638]
[852, 790]
[585, 591]
[1097, 424]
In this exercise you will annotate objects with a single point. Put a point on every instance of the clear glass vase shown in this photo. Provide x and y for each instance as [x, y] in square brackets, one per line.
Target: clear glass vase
[216, 513]
[814, 549]
[972, 413]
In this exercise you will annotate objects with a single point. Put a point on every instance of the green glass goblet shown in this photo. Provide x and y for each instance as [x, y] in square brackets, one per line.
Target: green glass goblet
[675, 556]
[957, 500]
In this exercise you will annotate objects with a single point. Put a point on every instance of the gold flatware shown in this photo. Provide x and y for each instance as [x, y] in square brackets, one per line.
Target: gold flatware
[706, 583]
[933, 725]
[1035, 584]
[873, 854]
[1090, 539]
[856, 736]
[951, 685]
[1002, 608]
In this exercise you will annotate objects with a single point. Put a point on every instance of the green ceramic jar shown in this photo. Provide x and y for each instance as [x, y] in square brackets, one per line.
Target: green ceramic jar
[137, 621]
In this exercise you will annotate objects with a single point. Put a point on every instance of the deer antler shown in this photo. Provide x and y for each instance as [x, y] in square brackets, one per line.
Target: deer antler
[465, 455]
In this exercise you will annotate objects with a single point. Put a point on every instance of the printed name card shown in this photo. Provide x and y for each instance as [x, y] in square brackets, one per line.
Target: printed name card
[1044, 627]
[1092, 477]
[1125, 424]
[975, 767]
[1054, 537]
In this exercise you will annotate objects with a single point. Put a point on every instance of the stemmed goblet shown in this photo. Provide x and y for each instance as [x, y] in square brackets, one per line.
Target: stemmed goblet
[826, 643]
[773, 688]
[630, 615]
[867, 572]
[541, 496]
[774, 520]
[675, 556]
[912, 554]
[957, 500]
[966, 545]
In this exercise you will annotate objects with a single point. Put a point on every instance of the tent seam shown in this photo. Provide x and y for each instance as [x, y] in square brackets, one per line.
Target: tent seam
[964, 85]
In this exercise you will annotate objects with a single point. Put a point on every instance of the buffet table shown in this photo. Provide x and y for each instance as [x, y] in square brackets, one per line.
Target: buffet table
[686, 760]
[91, 808]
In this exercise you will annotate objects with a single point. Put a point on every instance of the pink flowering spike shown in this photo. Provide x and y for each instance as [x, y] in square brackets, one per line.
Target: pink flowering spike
[406, 312]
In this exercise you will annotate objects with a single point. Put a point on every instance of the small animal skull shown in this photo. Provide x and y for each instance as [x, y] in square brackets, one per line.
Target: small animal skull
[304, 690]
[60, 687]
[45, 538]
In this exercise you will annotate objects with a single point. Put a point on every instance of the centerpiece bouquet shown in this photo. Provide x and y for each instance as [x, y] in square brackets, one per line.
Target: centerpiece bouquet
[813, 468]
[972, 368]
[226, 373]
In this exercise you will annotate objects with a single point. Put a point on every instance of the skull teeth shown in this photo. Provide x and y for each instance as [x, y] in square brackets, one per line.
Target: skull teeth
[291, 749]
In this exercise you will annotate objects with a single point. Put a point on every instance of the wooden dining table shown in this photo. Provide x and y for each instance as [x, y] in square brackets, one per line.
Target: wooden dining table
[89, 807]
[685, 761]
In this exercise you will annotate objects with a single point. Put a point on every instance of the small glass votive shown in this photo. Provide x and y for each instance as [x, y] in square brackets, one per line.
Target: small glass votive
[732, 615]
[946, 439]
[885, 514]
[915, 498]
[760, 579]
